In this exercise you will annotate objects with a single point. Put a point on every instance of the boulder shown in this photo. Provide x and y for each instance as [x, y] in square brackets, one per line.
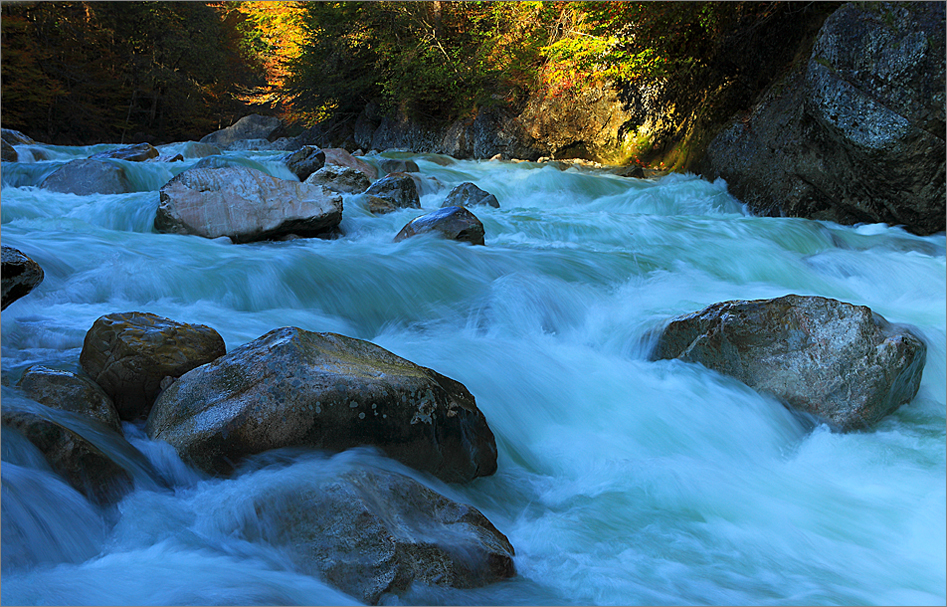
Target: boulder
[130, 354]
[344, 180]
[370, 532]
[70, 392]
[379, 206]
[295, 388]
[468, 194]
[305, 161]
[340, 157]
[857, 134]
[135, 153]
[15, 137]
[397, 165]
[253, 126]
[89, 176]
[245, 205]
[7, 153]
[84, 466]
[20, 275]
[167, 158]
[399, 188]
[454, 223]
[839, 362]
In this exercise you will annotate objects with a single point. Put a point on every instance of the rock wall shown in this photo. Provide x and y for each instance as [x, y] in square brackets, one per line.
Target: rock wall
[854, 134]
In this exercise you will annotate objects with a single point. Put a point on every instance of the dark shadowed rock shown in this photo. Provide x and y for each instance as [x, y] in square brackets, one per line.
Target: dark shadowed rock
[18, 275]
[84, 466]
[249, 127]
[70, 392]
[454, 223]
[294, 388]
[7, 152]
[245, 205]
[468, 194]
[14, 137]
[89, 176]
[399, 188]
[397, 165]
[837, 361]
[857, 135]
[344, 180]
[370, 532]
[129, 355]
[135, 153]
[379, 206]
[305, 161]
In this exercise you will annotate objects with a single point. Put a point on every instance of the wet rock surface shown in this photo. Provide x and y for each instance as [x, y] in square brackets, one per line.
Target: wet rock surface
[20, 275]
[371, 532]
[295, 388]
[468, 194]
[130, 354]
[244, 205]
[453, 223]
[839, 362]
[70, 392]
[398, 188]
[89, 176]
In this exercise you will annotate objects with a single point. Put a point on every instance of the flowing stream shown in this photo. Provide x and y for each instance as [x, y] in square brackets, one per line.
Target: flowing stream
[620, 481]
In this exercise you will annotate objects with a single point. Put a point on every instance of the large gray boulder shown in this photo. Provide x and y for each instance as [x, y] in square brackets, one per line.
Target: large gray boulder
[371, 532]
[130, 354]
[839, 362]
[453, 223]
[254, 126]
[398, 188]
[89, 176]
[295, 388]
[245, 205]
[858, 134]
[468, 194]
[19, 273]
[134, 153]
[69, 392]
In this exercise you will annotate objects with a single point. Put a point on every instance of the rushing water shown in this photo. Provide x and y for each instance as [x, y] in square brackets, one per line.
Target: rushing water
[621, 481]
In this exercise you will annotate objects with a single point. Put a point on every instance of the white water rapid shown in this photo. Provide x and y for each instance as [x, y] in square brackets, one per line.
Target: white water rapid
[620, 481]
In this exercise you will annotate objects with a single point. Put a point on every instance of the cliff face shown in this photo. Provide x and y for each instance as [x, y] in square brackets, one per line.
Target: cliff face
[849, 127]
[854, 134]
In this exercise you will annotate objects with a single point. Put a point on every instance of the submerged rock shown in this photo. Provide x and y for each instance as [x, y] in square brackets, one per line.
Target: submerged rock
[454, 223]
[398, 165]
[468, 194]
[18, 275]
[130, 354]
[88, 176]
[839, 362]
[294, 388]
[135, 153]
[245, 205]
[70, 392]
[399, 189]
[84, 466]
[373, 532]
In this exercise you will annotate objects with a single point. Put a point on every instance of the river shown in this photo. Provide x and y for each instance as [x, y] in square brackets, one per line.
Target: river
[620, 481]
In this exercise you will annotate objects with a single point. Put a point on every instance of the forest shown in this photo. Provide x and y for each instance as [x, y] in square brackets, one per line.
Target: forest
[88, 72]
